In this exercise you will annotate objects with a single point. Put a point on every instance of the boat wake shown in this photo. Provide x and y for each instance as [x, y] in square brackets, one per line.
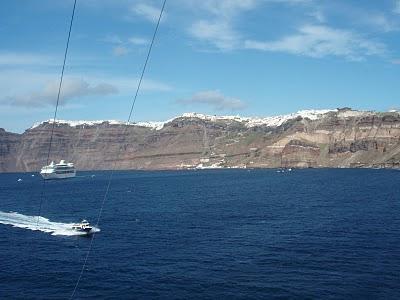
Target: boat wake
[45, 225]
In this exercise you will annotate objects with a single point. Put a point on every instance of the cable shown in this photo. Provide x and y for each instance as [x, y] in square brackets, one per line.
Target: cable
[115, 163]
[42, 195]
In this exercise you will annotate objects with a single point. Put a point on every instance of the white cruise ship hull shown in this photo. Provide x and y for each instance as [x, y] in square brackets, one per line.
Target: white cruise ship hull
[61, 170]
[53, 175]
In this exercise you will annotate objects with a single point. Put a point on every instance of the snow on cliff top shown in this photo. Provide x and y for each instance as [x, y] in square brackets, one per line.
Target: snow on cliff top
[273, 121]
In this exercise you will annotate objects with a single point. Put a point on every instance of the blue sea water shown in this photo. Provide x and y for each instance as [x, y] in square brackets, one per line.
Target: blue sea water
[217, 234]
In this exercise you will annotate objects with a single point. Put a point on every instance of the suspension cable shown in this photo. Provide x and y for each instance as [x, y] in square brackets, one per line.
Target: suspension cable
[42, 194]
[115, 162]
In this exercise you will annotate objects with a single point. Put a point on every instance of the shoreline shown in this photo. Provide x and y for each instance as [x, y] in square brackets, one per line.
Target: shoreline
[212, 169]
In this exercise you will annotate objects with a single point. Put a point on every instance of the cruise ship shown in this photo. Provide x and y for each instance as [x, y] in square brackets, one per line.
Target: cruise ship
[58, 171]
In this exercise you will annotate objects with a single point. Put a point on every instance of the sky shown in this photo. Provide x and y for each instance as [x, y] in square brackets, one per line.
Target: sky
[223, 57]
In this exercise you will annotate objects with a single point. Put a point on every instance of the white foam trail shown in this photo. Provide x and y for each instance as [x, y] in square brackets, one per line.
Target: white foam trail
[31, 222]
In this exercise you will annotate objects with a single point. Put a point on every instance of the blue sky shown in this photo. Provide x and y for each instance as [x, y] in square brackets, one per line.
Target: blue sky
[246, 57]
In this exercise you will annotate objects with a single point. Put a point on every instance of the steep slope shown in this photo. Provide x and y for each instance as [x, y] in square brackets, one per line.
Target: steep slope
[8, 149]
[329, 138]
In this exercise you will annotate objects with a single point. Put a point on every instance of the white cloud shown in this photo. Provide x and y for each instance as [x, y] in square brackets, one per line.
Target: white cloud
[30, 89]
[380, 22]
[226, 8]
[320, 41]
[112, 39]
[318, 15]
[218, 33]
[218, 30]
[138, 41]
[215, 99]
[396, 9]
[72, 88]
[315, 40]
[120, 50]
[24, 59]
[123, 46]
[147, 11]
[230, 8]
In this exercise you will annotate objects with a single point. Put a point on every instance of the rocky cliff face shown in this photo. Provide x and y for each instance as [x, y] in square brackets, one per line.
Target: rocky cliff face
[338, 138]
[8, 149]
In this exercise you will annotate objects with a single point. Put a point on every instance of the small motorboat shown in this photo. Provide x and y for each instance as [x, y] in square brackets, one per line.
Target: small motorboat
[83, 227]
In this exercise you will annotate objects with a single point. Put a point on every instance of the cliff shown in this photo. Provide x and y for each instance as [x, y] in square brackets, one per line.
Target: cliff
[335, 138]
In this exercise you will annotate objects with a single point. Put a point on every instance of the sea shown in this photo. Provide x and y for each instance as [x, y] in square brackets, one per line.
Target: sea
[207, 234]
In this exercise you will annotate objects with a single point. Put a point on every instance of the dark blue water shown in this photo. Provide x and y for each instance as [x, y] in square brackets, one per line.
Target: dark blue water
[229, 234]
